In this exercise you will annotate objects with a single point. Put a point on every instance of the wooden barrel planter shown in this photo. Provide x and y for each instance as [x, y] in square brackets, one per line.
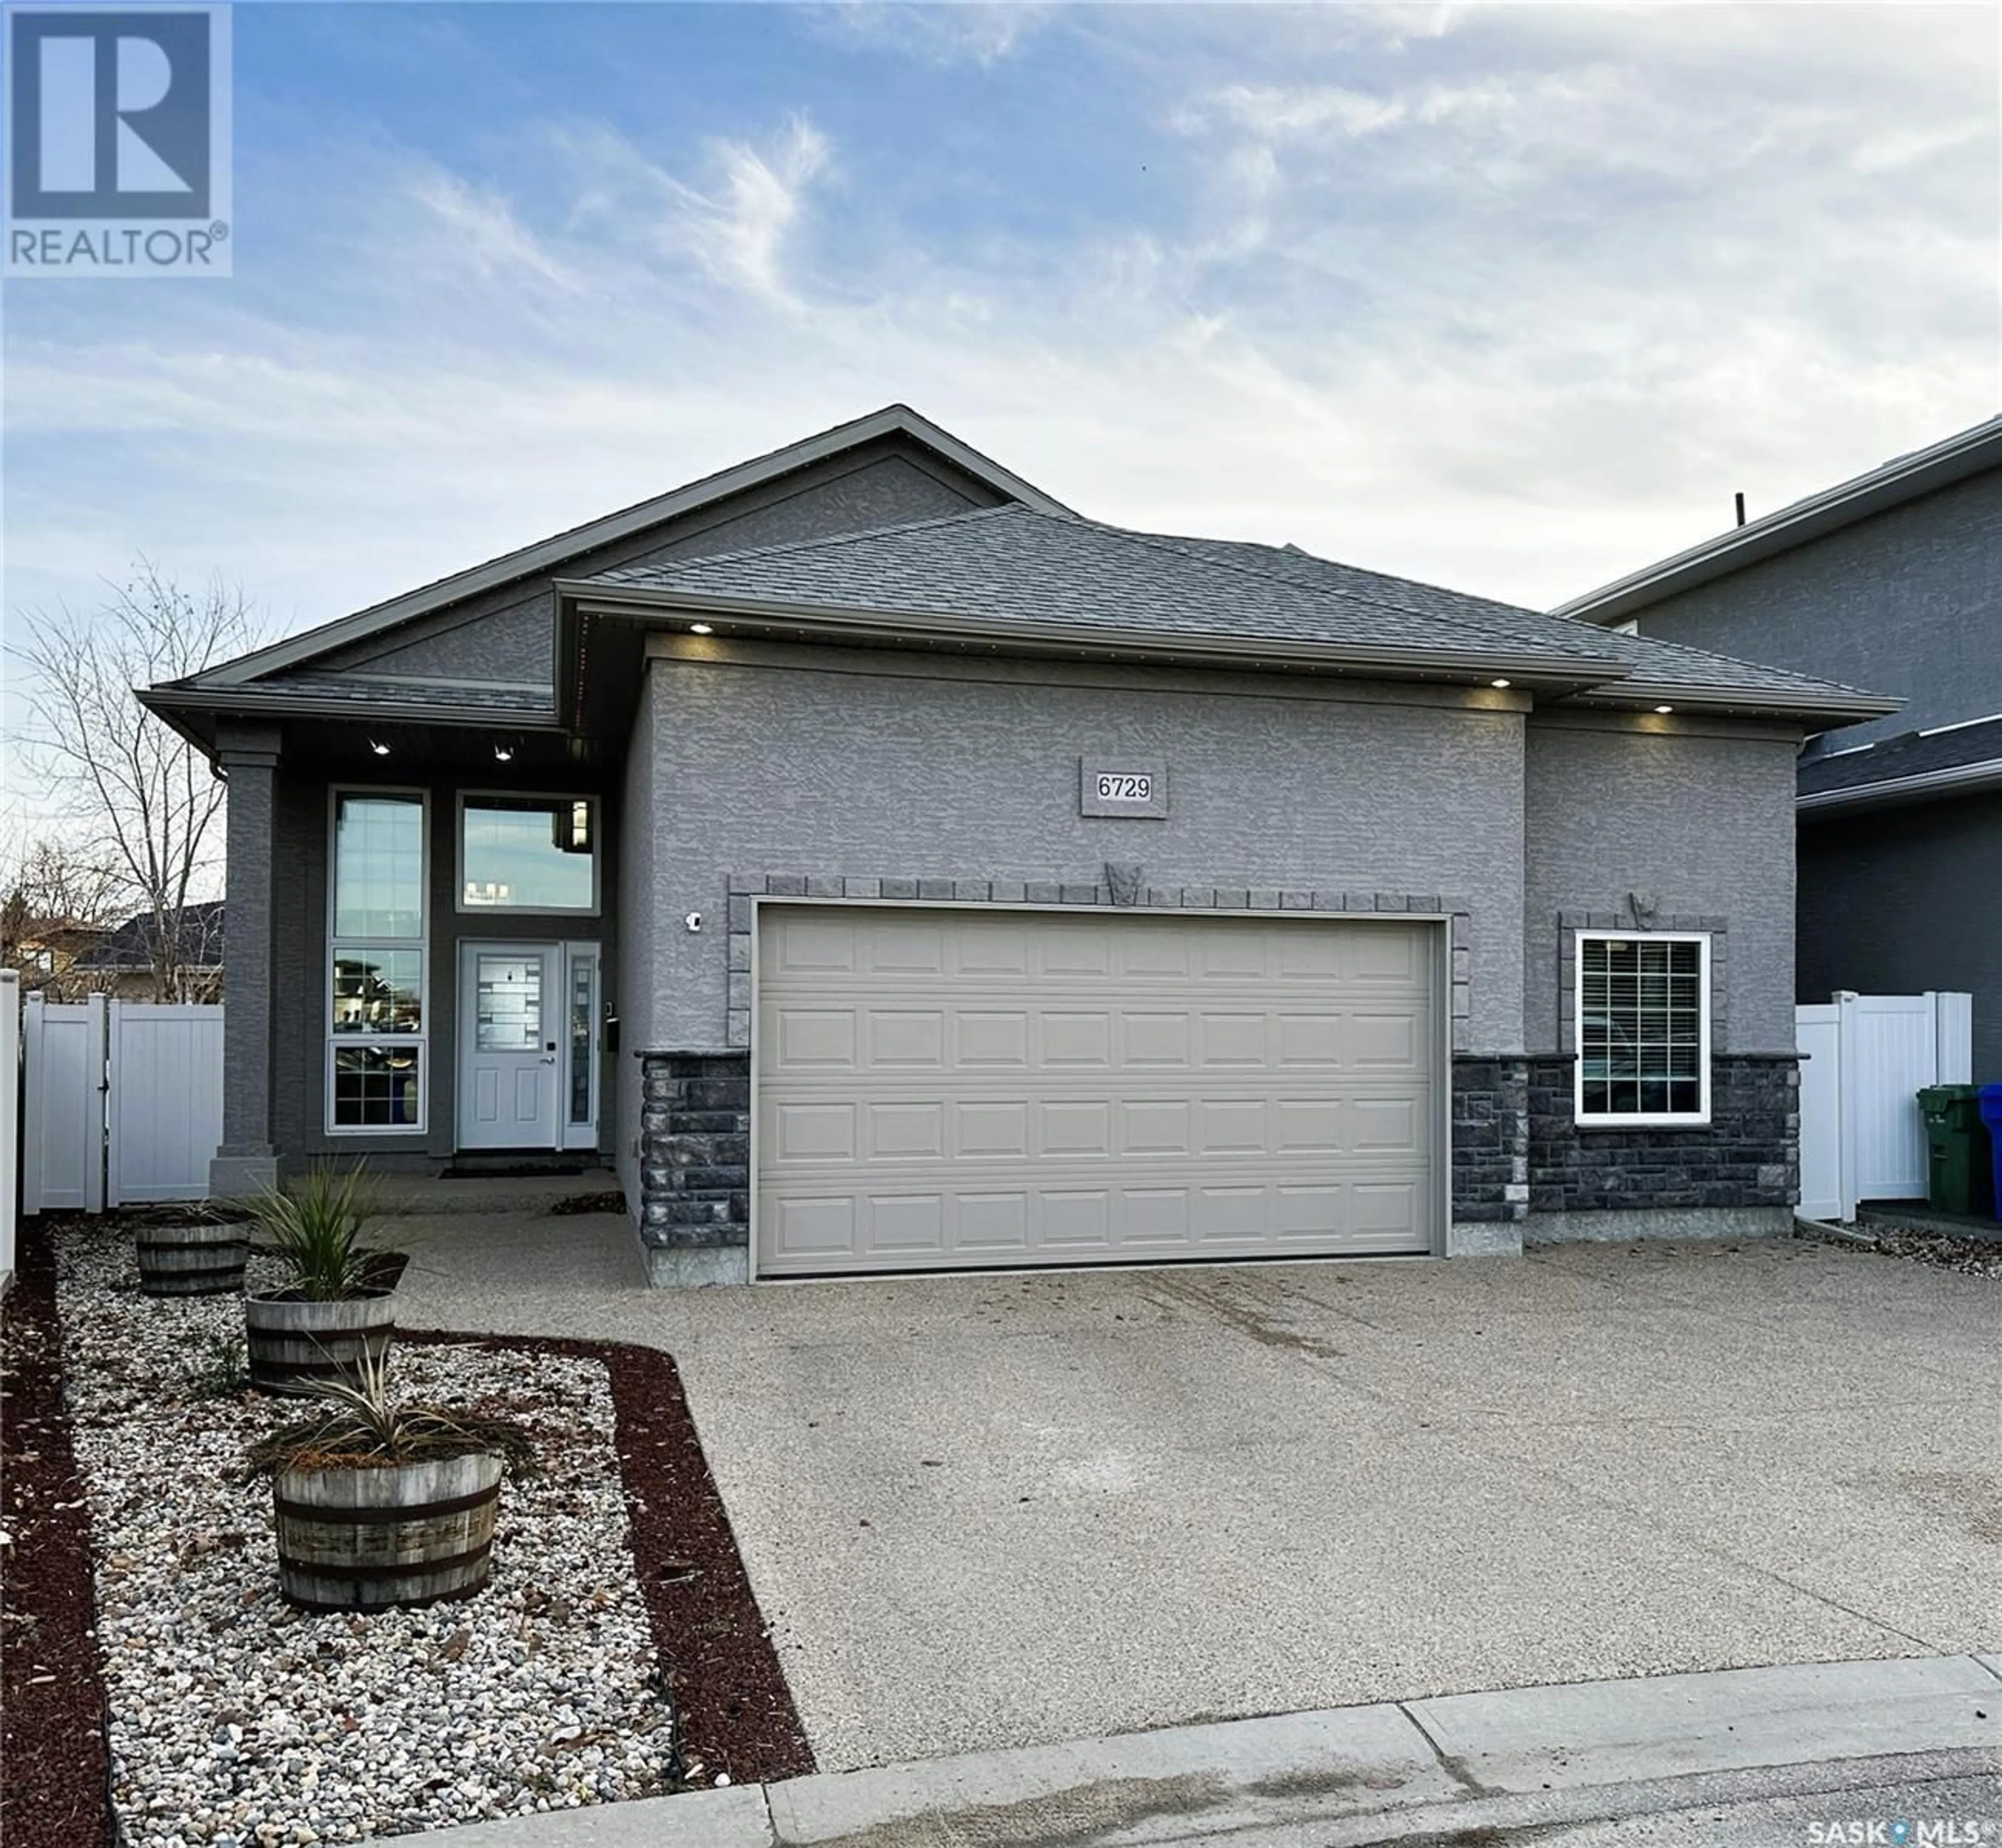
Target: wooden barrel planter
[203, 1258]
[293, 1344]
[362, 1540]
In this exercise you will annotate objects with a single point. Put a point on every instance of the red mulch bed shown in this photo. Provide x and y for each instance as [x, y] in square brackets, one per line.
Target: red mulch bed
[734, 1711]
[55, 1789]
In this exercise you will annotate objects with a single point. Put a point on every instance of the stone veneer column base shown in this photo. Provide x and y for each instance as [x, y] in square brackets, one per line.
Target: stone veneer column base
[692, 1267]
[1484, 1238]
[1711, 1222]
[695, 1167]
[241, 1177]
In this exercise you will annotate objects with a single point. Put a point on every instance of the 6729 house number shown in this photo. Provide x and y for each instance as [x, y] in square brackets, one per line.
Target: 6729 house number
[1125, 789]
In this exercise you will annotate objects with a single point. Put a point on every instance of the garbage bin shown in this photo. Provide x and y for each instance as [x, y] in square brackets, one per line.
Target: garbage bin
[1991, 1115]
[1959, 1170]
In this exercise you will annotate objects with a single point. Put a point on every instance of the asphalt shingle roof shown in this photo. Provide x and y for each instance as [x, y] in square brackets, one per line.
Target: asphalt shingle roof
[131, 945]
[359, 692]
[1014, 564]
[1010, 563]
[1911, 754]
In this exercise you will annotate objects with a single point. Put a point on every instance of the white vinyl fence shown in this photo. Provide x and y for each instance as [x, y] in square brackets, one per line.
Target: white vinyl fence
[10, 1100]
[1868, 1058]
[123, 1103]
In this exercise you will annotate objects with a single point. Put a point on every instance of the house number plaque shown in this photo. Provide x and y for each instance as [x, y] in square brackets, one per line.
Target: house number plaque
[1122, 787]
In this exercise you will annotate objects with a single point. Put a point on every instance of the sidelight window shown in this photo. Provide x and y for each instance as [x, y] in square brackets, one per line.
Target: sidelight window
[375, 980]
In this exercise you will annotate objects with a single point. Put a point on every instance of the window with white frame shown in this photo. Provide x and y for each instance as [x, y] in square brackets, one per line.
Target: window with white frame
[376, 957]
[1643, 1015]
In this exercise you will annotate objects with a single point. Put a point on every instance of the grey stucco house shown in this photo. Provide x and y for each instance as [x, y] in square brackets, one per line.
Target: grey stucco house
[1892, 580]
[887, 869]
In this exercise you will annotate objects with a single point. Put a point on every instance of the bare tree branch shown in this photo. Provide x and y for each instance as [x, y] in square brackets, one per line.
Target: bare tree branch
[137, 796]
[58, 902]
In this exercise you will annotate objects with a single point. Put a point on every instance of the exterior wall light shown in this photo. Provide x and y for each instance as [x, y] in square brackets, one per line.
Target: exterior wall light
[377, 746]
[700, 628]
[504, 754]
[1665, 709]
[1497, 683]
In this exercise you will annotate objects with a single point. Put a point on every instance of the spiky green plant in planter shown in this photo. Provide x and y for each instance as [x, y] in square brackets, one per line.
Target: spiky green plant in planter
[334, 1314]
[382, 1503]
[316, 1229]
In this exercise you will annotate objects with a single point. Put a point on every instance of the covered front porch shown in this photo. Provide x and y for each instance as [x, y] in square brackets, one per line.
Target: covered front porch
[422, 940]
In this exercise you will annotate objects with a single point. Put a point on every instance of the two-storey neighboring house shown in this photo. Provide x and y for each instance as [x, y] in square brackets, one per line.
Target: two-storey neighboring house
[1891, 580]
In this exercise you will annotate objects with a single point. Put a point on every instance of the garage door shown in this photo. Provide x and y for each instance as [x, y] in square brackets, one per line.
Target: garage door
[941, 1090]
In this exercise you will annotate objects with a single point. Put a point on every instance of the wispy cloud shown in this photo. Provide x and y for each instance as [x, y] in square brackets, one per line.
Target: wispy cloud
[483, 231]
[968, 32]
[1512, 298]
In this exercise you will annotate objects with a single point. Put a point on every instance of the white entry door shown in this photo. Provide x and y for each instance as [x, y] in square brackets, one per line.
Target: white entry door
[510, 1020]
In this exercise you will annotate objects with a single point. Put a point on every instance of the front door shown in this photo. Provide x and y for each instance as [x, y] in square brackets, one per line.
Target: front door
[511, 1023]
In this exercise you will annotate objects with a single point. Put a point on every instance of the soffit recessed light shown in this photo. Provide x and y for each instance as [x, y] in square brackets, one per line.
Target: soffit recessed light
[377, 746]
[700, 628]
[1665, 709]
[1497, 683]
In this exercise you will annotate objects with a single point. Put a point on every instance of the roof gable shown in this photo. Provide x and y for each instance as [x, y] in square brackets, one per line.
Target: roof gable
[1903, 478]
[350, 636]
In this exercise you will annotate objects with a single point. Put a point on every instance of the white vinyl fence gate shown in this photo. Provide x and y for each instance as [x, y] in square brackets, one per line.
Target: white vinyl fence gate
[1867, 1058]
[123, 1103]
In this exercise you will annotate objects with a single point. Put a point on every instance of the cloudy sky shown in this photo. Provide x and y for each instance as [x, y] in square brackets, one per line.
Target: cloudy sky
[1510, 297]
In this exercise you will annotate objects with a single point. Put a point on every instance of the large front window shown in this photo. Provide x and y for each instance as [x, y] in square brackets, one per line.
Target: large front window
[375, 984]
[534, 853]
[1643, 1029]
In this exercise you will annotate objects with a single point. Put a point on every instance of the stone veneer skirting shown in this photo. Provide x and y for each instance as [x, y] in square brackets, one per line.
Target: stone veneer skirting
[695, 1149]
[1521, 1166]
[1518, 1154]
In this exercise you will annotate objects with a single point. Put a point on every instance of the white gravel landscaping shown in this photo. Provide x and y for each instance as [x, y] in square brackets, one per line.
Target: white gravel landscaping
[236, 1720]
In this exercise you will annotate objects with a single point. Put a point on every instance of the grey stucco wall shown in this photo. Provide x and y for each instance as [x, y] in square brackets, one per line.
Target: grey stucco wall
[508, 634]
[1905, 603]
[510, 642]
[834, 763]
[1885, 909]
[1698, 820]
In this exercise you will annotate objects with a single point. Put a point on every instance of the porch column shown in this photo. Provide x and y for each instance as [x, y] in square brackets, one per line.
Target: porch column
[246, 1161]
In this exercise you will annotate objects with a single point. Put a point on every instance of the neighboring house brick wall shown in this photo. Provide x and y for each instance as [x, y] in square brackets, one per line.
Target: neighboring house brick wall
[1905, 602]
[1890, 905]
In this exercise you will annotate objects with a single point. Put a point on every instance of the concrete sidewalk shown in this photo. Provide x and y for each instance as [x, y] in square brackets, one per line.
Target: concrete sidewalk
[1826, 1742]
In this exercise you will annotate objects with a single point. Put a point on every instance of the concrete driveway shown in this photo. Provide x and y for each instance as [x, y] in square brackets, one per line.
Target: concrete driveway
[988, 1512]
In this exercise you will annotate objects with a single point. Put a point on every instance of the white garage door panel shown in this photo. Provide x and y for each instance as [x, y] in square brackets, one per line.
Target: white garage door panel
[941, 1088]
